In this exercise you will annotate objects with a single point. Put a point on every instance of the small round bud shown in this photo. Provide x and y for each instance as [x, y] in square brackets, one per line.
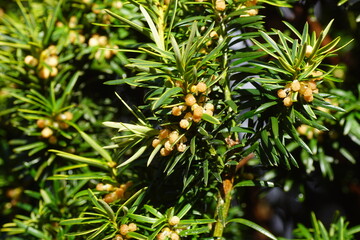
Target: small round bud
[302, 129]
[184, 123]
[166, 230]
[196, 119]
[252, 12]
[209, 112]
[174, 220]
[214, 34]
[81, 38]
[96, 8]
[198, 112]
[155, 142]
[302, 89]
[309, 98]
[203, 51]
[40, 123]
[208, 43]
[209, 106]
[31, 61]
[174, 236]
[99, 187]
[188, 116]
[63, 125]
[69, 116]
[108, 187]
[220, 5]
[61, 117]
[295, 85]
[308, 51]
[112, 164]
[93, 42]
[287, 101]
[161, 236]
[44, 73]
[124, 229]
[176, 111]
[193, 88]
[308, 92]
[102, 41]
[281, 93]
[52, 139]
[46, 132]
[173, 136]
[312, 85]
[118, 237]
[183, 107]
[132, 227]
[167, 146]
[194, 106]
[119, 193]
[55, 124]
[117, 4]
[98, 54]
[52, 49]
[164, 152]
[73, 20]
[54, 72]
[164, 133]
[110, 197]
[317, 75]
[181, 147]
[179, 84]
[201, 87]
[108, 53]
[190, 99]
[52, 61]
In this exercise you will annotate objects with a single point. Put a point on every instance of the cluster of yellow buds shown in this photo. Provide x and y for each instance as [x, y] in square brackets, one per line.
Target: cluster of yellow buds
[116, 193]
[170, 140]
[74, 35]
[252, 11]
[15, 195]
[308, 131]
[51, 60]
[124, 230]
[102, 41]
[47, 125]
[194, 107]
[209, 45]
[305, 88]
[167, 233]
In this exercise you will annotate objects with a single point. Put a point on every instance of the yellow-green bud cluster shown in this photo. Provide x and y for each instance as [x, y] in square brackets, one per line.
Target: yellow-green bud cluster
[308, 131]
[50, 61]
[194, 105]
[48, 125]
[306, 89]
[170, 140]
[251, 11]
[124, 229]
[167, 233]
[115, 193]
[102, 41]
